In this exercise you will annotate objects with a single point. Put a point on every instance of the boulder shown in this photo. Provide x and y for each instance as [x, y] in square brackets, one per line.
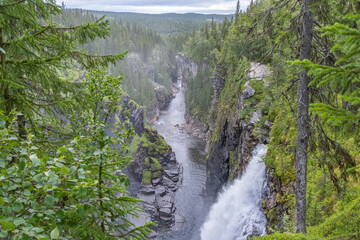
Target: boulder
[169, 183]
[160, 191]
[136, 115]
[147, 189]
[268, 123]
[172, 174]
[248, 92]
[165, 212]
[255, 117]
[271, 201]
[156, 181]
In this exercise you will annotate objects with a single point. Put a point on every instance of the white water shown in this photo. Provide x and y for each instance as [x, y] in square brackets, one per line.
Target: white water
[237, 214]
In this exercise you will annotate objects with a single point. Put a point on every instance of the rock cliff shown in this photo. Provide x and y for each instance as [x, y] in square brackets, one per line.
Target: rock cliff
[238, 122]
[236, 127]
[188, 68]
[161, 91]
[156, 166]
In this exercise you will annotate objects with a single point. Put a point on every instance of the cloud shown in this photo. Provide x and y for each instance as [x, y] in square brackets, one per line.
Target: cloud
[159, 6]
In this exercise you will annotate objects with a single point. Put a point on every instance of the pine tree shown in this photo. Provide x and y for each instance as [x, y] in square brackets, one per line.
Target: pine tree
[343, 76]
[237, 11]
[35, 54]
[303, 122]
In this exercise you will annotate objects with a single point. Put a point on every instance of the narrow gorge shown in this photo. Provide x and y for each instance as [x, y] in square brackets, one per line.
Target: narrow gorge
[222, 121]
[179, 183]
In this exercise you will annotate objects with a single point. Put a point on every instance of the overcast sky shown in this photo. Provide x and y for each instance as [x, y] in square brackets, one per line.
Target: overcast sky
[158, 6]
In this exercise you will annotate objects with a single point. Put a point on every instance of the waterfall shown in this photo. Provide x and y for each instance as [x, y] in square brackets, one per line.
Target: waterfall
[237, 214]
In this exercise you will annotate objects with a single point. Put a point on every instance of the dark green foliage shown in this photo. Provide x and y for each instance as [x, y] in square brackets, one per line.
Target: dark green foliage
[60, 186]
[270, 32]
[344, 76]
[143, 68]
[168, 23]
[199, 104]
[155, 143]
[72, 192]
[205, 50]
[34, 52]
[155, 146]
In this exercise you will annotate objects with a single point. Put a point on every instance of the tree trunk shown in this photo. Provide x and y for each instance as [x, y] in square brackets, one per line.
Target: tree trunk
[303, 123]
[4, 87]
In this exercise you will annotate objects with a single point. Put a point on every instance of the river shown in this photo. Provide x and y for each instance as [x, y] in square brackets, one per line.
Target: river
[190, 152]
[237, 213]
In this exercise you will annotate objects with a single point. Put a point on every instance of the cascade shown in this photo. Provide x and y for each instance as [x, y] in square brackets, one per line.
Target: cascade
[237, 214]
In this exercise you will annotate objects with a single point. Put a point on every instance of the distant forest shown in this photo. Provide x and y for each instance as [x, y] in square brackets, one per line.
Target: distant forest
[167, 23]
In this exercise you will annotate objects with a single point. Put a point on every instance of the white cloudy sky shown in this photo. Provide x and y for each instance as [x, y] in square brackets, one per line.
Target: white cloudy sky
[159, 6]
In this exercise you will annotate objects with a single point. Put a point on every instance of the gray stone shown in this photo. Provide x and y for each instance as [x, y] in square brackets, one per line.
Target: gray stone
[167, 220]
[217, 81]
[173, 174]
[256, 117]
[268, 123]
[147, 198]
[152, 235]
[172, 158]
[165, 201]
[186, 67]
[147, 189]
[248, 91]
[148, 203]
[169, 183]
[161, 191]
[179, 222]
[271, 201]
[156, 181]
[165, 212]
[136, 115]
[258, 71]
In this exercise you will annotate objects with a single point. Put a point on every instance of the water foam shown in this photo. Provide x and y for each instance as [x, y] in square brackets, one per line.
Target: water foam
[237, 214]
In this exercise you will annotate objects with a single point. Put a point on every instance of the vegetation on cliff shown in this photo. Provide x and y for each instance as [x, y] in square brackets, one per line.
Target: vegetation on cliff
[146, 79]
[58, 162]
[61, 172]
[270, 32]
[155, 147]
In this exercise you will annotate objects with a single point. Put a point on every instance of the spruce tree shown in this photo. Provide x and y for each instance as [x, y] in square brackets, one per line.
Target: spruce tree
[237, 11]
[35, 54]
[303, 122]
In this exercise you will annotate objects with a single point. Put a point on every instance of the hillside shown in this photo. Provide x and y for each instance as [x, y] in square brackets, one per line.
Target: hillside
[167, 23]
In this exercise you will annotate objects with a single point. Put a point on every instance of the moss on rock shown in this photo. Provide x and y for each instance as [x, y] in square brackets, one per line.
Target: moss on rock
[146, 177]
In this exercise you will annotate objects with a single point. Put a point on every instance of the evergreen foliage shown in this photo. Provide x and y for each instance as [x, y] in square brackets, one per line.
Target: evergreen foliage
[70, 192]
[58, 182]
[145, 74]
[343, 76]
[269, 31]
[204, 47]
[35, 52]
[167, 23]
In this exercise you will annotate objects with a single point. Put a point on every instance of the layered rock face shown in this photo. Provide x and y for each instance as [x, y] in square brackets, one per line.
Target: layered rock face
[163, 99]
[136, 114]
[186, 68]
[275, 206]
[235, 128]
[155, 164]
[162, 94]
[238, 122]
[161, 176]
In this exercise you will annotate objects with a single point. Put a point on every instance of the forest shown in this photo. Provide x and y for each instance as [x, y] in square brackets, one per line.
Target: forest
[312, 101]
[64, 74]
